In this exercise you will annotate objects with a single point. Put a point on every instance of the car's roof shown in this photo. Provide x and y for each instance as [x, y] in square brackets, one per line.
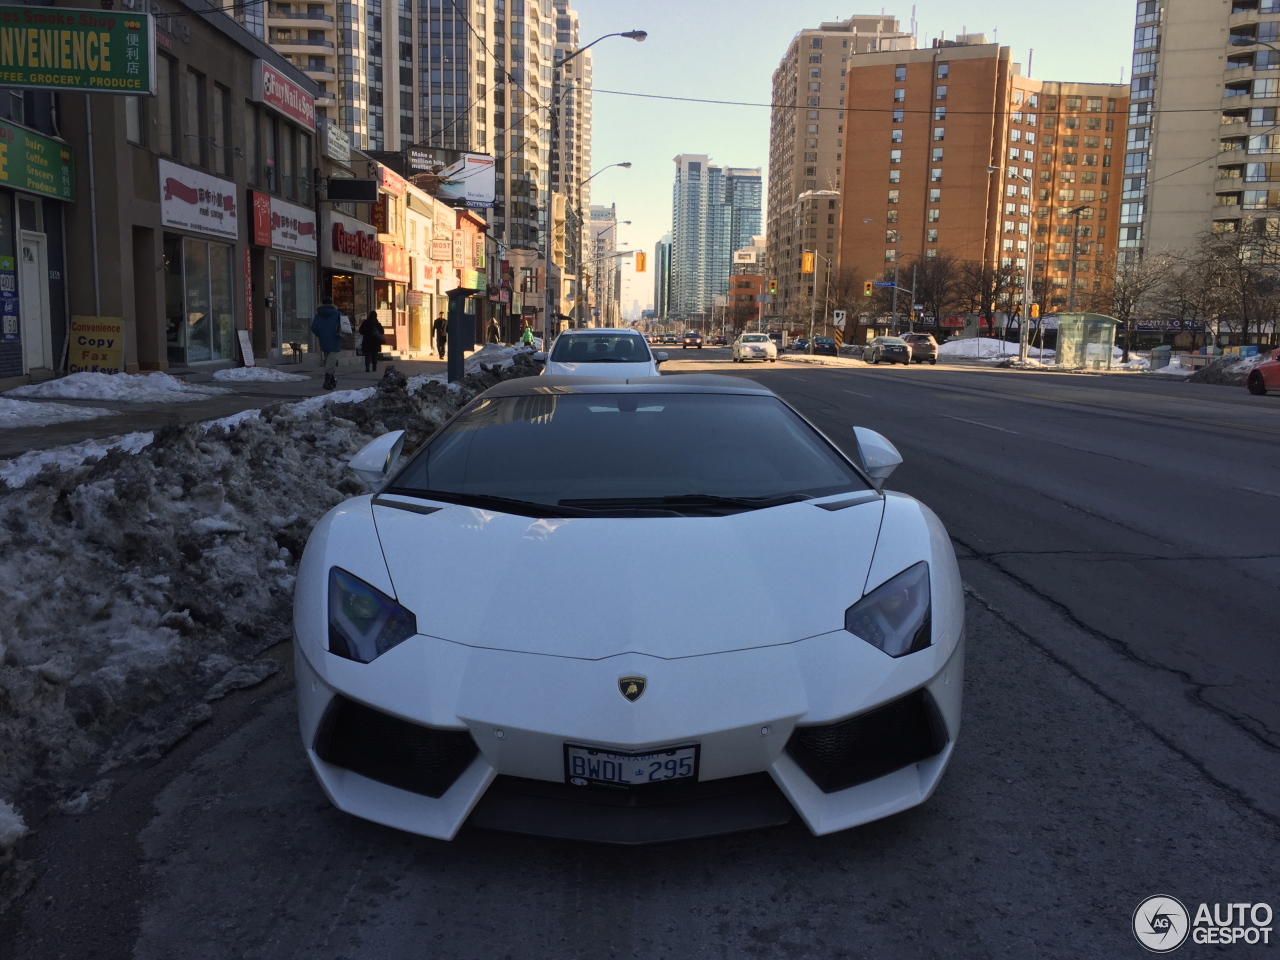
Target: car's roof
[680, 383]
[592, 331]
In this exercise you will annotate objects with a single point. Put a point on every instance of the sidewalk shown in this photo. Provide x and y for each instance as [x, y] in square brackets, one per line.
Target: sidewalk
[250, 395]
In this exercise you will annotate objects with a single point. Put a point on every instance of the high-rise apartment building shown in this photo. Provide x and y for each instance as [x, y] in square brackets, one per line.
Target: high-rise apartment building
[806, 136]
[606, 278]
[662, 277]
[1202, 138]
[714, 210]
[918, 182]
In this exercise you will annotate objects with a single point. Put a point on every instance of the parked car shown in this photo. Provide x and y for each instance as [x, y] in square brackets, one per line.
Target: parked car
[923, 347]
[617, 353]
[692, 338]
[1265, 376]
[719, 340]
[887, 349]
[799, 344]
[825, 346]
[670, 338]
[754, 346]
[436, 683]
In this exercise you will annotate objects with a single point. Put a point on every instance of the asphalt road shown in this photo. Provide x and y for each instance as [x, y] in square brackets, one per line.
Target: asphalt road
[1119, 540]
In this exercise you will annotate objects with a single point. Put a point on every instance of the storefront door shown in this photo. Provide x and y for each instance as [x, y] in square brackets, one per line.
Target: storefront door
[198, 300]
[33, 302]
[273, 290]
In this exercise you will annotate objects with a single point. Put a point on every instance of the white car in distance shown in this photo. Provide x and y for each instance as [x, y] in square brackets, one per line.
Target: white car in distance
[614, 353]
[754, 346]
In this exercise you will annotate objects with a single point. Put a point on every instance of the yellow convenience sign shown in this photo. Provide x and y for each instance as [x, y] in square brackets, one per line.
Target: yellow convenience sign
[56, 48]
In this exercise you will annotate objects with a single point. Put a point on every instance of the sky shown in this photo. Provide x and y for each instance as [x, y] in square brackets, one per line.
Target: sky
[723, 50]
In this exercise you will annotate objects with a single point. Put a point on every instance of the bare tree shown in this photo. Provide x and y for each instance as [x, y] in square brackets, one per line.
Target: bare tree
[982, 288]
[1242, 267]
[937, 282]
[1130, 290]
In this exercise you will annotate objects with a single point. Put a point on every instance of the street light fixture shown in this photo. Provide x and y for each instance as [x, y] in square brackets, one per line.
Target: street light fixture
[550, 300]
[580, 300]
[600, 237]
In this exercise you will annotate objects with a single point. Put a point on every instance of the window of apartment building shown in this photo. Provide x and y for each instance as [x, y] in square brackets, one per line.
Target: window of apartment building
[1266, 88]
[1015, 135]
[1010, 209]
[1148, 11]
[1070, 142]
[1093, 123]
[166, 103]
[196, 134]
[1093, 104]
[1067, 176]
[1066, 196]
[812, 128]
[935, 195]
[815, 86]
[944, 70]
[1145, 37]
[1006, 246]
[1031, 137]
[895, 156]
[931, 235]
[935, 215]
[1070, 159]
[1071, 123]
[1142, 88]
[811, 157]
[898, 115]
[811, 143]
[890, 256]
[1091, 143]
[810, 171]
[900, 73]
[935, 175]
[268, 149]
[135, 120]
[815, 72]
[1136, 187]
[815, 43]
[939, 133]
[221, 130]
[813, 115]
[939, 113]
[895, 136]
[1014, 153]
[891, 216]
[937, 154]
[891, 236]
[900, 95]
[815, 58]
[941, 92]
[895, 176]
[1073, 103]
[893, 196]
[815, 101]
[1033, 101]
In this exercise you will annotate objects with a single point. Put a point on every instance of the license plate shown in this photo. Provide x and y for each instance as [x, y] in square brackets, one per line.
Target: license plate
[599, 766]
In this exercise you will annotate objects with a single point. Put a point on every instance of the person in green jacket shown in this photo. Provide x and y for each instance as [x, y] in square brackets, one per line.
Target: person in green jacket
[526, 335]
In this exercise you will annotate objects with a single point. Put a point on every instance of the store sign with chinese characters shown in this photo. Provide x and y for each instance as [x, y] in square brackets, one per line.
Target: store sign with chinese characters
[191, 200]
[283, 226]
[395, 263]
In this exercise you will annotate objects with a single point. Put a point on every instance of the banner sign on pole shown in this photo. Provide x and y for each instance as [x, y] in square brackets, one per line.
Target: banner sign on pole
[94, 51]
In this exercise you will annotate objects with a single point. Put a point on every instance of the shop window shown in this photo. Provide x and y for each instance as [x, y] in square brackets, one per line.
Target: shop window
[196, 133]
[135, 128]
[221, 130]
[166, 121]
[198, 300]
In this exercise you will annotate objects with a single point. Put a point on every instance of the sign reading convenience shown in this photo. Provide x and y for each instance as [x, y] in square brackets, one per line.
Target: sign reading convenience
[55, 48]
[97, 345]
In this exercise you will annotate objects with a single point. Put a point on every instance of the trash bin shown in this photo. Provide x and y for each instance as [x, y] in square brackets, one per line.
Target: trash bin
[1160, 357]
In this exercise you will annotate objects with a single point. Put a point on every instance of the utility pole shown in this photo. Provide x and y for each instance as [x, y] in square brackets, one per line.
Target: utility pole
[1075, 254]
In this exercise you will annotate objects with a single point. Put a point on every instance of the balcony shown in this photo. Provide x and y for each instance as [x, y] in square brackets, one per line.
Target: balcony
[304, 44]
[315, 70]
[280, 15]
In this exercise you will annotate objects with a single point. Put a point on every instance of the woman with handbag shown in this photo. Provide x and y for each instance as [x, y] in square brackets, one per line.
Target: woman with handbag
[371, 340]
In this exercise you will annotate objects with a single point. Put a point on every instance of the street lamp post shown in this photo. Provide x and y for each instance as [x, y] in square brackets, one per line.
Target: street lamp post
[813, 299]
[580, 300]
[613, 226]
[551, 299]
[1075, 253]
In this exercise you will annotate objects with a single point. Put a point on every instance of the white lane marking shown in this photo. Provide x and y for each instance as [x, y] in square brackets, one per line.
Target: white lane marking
[979, 423]
[1263, 493]
[857, 394]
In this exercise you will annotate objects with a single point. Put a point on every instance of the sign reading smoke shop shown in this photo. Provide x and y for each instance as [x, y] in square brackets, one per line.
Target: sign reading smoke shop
[52, 48]
[349, 245]
[283, 95]
[191, 200]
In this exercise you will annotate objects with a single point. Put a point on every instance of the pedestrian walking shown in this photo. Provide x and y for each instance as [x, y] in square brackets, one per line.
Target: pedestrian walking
[494, 332]
[526, 335]
[372, 339]
[440, 330]
[327, 327]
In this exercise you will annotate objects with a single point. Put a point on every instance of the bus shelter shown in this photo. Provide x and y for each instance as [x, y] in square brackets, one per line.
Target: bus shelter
[1085, 341]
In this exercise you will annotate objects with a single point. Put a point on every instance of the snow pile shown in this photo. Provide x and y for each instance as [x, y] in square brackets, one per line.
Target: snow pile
[259, 374]
[24, 413]
[985, 348]
[1229, 370]
[142, 573]
[121, 387]
[1174, 370]
[20, 470]
[14, 874]
[491, 356]
[12, 829]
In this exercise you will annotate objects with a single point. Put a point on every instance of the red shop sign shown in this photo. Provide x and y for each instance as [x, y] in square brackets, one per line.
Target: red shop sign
[261, 204]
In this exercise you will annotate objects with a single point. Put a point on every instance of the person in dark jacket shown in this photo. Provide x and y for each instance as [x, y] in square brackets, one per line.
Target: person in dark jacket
[494, 332]
[440, 330]
[371, 344]
[327, 327]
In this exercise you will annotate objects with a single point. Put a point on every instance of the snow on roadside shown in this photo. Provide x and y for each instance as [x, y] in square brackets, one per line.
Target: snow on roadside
[120, 387]
[490, 355]
[984, 348]
[144, 571]
[260, 374]
[1175, 370]
[27, 413]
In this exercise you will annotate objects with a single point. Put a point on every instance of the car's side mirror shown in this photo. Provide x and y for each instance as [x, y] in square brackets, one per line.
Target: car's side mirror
[660, 357]
[540, 355]
[879, 457]
[376, 461]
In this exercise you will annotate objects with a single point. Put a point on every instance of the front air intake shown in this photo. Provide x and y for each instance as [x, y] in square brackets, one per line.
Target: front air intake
[849, 752]
[400, 754]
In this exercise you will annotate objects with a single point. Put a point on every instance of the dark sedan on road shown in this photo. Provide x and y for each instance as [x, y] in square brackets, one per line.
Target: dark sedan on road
[719, 340]
[799, 345]
[923, 347]
[692, 339]
[825, 346]
[670, 338]
[887, 350]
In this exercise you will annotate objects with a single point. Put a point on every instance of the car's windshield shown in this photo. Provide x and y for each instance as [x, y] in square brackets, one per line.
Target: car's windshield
[593, 451]
[600, 348]
[755, 338]
[893, 340]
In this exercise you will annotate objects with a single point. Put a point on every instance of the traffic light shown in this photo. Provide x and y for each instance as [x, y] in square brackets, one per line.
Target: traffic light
[806, 263]
[557, 229]
[868, 288]
[640, 261]
[773, 287]
[1035, 311]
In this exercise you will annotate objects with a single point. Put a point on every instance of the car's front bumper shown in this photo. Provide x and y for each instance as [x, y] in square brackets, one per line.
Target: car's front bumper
[519, 709]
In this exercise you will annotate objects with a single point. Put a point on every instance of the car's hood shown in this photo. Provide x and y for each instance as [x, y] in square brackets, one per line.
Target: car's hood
[622, 371]
[593, 588]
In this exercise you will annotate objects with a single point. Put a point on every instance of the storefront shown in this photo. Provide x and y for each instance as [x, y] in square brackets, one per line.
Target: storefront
[33, 320]
[390, 296]
[200, 216]
[350, 262]
[284, 238]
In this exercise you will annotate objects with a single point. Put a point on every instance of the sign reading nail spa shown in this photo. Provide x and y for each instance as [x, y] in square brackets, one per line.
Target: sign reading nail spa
[191, 200]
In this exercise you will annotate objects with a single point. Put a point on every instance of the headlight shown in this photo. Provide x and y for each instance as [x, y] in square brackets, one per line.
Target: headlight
[364, 622]
[895, 615]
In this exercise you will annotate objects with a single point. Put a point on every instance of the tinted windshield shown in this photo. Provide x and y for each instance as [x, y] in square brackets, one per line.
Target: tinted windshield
[755, 338]
[575, 450]
[600, 348]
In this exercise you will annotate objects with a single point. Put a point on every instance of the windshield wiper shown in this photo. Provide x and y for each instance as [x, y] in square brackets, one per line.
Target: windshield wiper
[687, 500]
[524, 508]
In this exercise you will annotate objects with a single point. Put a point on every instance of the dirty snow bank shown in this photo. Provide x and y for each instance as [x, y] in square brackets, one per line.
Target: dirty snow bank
[26, 413]
[490, 355]
[21, 470]
[121, 387]
[984, 348]
[1228, 370]
[143, 576]
[265, 374]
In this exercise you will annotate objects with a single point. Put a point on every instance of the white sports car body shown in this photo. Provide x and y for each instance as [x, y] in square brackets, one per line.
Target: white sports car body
[504, 631]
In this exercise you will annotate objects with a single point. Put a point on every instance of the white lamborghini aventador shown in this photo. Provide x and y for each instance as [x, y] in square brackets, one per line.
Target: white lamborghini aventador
[504, 630]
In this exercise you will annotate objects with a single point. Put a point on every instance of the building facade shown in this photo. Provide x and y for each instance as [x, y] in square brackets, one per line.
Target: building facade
[958, 156]
[712, 207]
[806, 143]
[662, 277]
